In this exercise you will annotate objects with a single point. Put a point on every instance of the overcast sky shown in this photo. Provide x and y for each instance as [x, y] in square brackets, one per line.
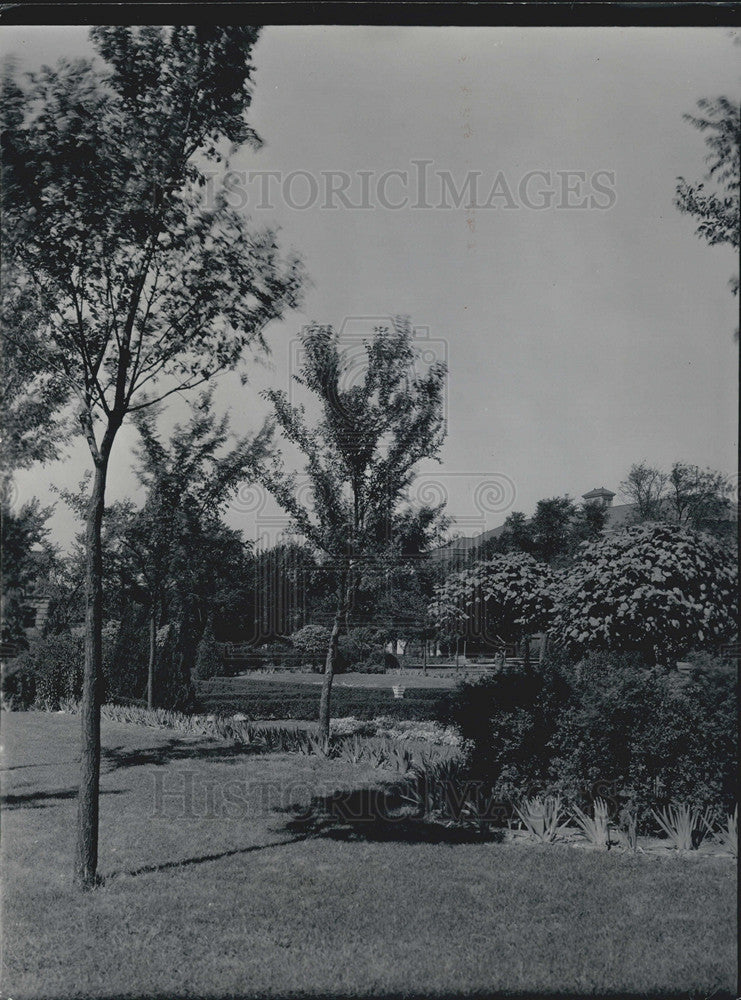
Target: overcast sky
[579, 339]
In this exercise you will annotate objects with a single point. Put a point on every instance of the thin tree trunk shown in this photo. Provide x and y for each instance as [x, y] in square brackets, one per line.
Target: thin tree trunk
[331, 660]
[526, 651]
[86, 855]
[152, 656]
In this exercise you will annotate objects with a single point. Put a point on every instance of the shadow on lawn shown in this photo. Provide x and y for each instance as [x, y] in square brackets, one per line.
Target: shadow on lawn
[379, 814]
[39, 800]
[201, 859]
[116, 758]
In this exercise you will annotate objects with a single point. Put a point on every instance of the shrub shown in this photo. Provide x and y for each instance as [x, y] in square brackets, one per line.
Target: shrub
[654, 589]
[311, 643]
[19, 682]
[642, 738]
[47, 674]
[209, 661]
[279, 700]
[173, 688]
[363, 650]
[507, 721]
[125, 670]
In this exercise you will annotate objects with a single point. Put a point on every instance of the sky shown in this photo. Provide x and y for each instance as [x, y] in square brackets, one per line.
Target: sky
[581, 336]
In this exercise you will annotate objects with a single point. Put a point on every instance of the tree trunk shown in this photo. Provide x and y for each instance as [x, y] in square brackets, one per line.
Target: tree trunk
[152, 656]
[526, 651]
[329, 663]
[86, 855]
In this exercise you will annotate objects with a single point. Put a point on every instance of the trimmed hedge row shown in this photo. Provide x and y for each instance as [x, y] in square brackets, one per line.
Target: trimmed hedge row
[277, 700]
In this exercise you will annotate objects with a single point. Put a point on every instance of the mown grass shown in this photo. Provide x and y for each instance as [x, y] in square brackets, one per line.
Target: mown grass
[220, 897]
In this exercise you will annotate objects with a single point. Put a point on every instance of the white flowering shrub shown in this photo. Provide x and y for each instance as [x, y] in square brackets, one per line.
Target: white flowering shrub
[507, 594]
[655, 589]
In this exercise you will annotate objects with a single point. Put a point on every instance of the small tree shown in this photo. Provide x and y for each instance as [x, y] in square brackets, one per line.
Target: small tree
[655, 589]
[360, 461]
[508, 595]
[209, 661]
[174, 553]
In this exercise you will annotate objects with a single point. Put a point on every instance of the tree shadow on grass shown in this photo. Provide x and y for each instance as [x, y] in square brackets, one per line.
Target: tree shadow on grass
[116, 758]
[380, 814]
[201, 859]
[40, 800]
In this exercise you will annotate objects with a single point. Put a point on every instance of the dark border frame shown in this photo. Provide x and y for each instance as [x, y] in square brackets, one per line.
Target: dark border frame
[639, 13]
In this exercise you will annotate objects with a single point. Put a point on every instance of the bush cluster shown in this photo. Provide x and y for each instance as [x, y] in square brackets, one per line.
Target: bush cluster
[50, 672]
[47, 674]
[609, 726]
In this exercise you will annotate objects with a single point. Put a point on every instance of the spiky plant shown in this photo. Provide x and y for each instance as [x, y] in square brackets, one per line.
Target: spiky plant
[727, 833]
[541, 817]
[685, 826]
[596, 829]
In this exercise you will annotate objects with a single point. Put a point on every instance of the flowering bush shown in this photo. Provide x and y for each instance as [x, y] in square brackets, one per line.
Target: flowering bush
[508, 594]
[655, 589]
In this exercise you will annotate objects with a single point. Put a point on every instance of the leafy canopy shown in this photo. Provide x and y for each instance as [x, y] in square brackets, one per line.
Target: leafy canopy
[656, 589]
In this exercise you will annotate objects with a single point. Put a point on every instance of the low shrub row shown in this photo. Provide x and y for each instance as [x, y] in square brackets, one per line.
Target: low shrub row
[279, 700]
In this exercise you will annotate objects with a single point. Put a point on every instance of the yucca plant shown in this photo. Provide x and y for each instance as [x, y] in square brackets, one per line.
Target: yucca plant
[541, 817]
[597, 829]
[685, 826]
[353, 751]
[627, 831]
[401, 759]
[378, 757]
[727, 833]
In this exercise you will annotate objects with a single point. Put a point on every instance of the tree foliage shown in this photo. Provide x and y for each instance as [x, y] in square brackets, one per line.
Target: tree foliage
[655, 589]
[687, 496]
[360, 457]
[716, 211]
[507, 596]
[28, 558]
[311, 643]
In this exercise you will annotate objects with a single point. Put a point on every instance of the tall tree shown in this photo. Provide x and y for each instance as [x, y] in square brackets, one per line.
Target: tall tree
[645, 488]
[360, 461]
[142, 286]
[175, 548]
[716, 211]
[551, 527]
[687, 496]
[699, 498]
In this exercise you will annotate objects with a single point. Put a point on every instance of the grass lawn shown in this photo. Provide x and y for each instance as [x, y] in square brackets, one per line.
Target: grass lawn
[215, 897]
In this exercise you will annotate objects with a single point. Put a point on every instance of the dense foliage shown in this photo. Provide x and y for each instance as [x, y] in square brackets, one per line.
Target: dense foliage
[654, 589]
[609, 727]
[507, 596]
